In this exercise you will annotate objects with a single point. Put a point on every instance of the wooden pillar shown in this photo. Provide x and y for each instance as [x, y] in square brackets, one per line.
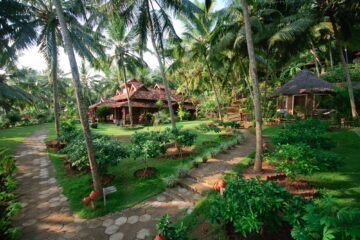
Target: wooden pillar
[124, 116]
[290, 104]
[310, 104]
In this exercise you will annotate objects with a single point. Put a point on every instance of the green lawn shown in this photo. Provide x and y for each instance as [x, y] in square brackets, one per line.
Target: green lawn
[131, 190]
[10, 138]
[344, 184]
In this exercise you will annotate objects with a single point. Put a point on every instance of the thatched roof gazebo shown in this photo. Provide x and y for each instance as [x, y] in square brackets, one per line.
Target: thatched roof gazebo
[303, 94]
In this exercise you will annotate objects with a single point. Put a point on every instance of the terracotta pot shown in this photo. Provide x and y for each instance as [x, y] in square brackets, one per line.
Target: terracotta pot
[264, 146]
[93, 195]
[216, 187]
[86, 201]
[159, 237]
[221, 184]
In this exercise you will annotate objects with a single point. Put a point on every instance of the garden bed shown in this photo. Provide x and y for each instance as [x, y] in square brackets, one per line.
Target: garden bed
[145, 172]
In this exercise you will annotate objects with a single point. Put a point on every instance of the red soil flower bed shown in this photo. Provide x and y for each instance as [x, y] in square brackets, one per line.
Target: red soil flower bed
[55, 144]
[145, 172]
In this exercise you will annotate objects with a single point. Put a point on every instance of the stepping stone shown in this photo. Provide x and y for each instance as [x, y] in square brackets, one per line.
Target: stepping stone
[161, 198]
[108, 222]
[69, 235]
[145, 218]
[54, 199]
[182, 190]
[54, 204]
[29, 222]
[133, 219]
[156, 204]
[24, 204]
[111, 229]
[43, 205]
[94, 224]
[143, 233]
[120, 221]
[117, 236]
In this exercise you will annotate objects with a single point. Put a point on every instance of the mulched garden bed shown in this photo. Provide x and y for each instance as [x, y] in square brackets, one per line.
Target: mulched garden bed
[173, 154]
[145, 172]
[294, 187]
[55, 144]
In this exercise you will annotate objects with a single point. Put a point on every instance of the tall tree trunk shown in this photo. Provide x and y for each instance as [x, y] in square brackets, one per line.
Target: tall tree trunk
[345, 68]
[255, 84]
[54, 65]
[128, 97]
[214, 90]
[162, 70]
[79, 97]
[331, 58]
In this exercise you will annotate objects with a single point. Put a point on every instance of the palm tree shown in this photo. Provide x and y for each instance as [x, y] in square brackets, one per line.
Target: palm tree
[198, 36]
[68, 45]
[255, 85]
[49, 38]
[124, 56]
[16, 30]
[151, 19]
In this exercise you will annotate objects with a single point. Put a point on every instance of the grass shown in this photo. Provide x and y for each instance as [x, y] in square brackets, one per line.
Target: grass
[131, 190]
[344, 184]
[10, 138]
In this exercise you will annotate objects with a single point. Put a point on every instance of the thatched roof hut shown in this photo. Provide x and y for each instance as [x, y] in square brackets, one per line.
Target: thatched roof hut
[304, 82]
[303, 94]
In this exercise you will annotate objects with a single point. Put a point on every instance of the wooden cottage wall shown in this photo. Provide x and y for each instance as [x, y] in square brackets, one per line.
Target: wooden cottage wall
[290, 104]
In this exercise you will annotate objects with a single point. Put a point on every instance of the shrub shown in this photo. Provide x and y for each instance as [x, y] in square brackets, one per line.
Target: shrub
[13, 118]
[324, 219]
[294, 160]
[170, 181]
[299, 158]
[309, 132]
[180, 137]
[209, 128]
[183, 114]
[9, 207]
[108, 152]
[229, 124]
[148, 145]
[170, 232]
[102, 111]
[161, 117]
[253, 205]
[68, 130]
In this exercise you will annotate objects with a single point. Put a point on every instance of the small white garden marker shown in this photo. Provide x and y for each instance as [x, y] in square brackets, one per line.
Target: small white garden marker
[107, 191]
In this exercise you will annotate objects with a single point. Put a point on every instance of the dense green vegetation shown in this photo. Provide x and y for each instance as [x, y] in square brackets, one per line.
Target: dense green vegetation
[131, 189]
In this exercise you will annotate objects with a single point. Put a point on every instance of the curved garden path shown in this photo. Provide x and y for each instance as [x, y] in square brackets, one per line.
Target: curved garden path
[46, 213]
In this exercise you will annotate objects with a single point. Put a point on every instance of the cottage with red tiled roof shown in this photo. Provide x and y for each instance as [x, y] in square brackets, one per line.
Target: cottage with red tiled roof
[143, 100]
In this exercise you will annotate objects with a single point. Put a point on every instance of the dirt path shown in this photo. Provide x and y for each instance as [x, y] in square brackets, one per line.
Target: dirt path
[46, 213]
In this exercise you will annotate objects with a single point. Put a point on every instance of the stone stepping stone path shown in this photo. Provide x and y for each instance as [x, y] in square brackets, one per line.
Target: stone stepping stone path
[46, 213]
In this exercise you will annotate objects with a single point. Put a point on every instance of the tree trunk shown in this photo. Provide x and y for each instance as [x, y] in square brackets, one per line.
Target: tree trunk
[331, 58]
[162, 70]
[345, 68]
[128, 98]
[214, 89]
[255, 84]
[79, 97]
[54, 64]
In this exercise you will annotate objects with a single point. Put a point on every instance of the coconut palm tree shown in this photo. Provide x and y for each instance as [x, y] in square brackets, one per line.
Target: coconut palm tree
[68, 45]
[152, 20]
[48, 39]
[255, 85]
[198, 36]
[16, 29]
[124, 56]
